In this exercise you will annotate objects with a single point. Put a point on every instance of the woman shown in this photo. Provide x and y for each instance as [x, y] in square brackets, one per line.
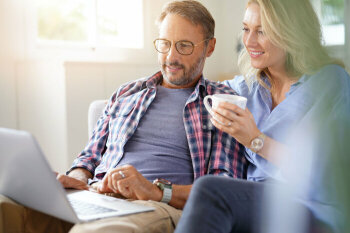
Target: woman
[291, 84]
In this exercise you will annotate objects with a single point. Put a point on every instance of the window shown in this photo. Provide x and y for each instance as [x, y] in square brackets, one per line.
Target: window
[93, 23]
[331, 13]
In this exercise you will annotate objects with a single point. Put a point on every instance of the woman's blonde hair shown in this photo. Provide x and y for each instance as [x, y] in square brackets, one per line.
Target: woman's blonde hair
[293, 26]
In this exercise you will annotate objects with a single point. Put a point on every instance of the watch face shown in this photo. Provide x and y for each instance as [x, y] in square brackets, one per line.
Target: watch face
[257, 144]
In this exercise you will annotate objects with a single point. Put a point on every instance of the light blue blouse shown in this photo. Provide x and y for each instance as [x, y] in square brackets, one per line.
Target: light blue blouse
[316, 111]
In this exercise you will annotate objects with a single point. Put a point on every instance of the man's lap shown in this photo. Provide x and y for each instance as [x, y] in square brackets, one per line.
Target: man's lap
[16, 218]
[163, 219]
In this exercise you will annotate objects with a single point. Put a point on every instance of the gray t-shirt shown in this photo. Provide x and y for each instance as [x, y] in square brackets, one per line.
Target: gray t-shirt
[159, 147]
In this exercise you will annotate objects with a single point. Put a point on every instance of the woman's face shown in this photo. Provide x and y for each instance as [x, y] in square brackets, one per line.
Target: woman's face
[262, 52]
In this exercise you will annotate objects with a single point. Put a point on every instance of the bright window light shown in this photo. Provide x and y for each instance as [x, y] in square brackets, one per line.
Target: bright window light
[95, 23]
[334, 34]
[332, 19]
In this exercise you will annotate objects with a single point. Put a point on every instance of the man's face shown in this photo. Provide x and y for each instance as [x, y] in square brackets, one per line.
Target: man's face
[182, 71]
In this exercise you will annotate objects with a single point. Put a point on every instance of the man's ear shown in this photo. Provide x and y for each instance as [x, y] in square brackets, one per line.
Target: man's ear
[211, 47]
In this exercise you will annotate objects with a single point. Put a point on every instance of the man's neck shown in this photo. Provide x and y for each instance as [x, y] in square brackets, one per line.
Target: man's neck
[172, 86]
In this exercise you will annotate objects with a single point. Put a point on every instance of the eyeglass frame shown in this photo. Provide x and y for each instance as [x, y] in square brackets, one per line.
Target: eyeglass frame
[193, 45]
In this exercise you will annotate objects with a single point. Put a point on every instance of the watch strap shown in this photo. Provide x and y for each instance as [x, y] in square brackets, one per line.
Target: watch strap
[166, 187]
[167, 194]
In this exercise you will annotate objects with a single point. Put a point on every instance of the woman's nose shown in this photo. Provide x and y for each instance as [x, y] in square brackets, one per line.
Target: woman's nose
[250, 39]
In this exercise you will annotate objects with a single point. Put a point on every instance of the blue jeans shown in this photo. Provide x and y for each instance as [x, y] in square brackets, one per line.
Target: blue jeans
[221, 204]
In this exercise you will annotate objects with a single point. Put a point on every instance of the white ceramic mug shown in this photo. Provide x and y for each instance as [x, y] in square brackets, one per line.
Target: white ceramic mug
[240, 101]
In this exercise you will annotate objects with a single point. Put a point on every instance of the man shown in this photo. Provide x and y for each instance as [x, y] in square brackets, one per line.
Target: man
[157, 129]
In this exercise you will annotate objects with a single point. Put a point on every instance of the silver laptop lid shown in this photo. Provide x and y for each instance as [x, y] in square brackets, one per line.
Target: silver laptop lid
[26, 177]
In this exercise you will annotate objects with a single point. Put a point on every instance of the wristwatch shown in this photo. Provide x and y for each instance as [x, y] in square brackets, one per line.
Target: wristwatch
[257, 143]
[166, 187]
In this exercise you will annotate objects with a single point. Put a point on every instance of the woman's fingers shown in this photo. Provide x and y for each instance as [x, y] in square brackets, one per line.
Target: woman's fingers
[223, 127]
[237, 122]
[223, 120]
[231, 108]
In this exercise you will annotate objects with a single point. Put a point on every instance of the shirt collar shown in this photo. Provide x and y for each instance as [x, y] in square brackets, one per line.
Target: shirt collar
[298, 83]
[293, 87]
[302, 79]
[153, 81]
[201, 85]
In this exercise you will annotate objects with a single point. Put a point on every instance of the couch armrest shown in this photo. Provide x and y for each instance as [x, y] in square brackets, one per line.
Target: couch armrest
[95, 112]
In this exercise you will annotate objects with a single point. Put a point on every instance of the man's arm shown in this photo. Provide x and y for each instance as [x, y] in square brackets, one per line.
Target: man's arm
[80, 174]
[127, 181]
[179, 196]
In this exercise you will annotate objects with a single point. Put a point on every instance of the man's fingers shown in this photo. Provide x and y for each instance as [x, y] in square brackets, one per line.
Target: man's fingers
[102, 186]
[110, 184]
[124, 188]
[115, 178]
[62, 179]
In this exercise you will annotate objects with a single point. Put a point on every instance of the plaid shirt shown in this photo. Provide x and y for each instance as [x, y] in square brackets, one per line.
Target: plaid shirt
[212, 151]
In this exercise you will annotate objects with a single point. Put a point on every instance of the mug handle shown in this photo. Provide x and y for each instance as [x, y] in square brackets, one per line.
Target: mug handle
[208, 107]
[206, 103]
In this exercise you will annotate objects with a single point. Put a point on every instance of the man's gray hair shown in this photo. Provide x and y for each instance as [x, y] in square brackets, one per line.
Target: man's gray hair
[193, 11]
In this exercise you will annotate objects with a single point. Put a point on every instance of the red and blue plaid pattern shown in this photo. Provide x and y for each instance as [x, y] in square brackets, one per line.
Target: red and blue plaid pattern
[212, 151]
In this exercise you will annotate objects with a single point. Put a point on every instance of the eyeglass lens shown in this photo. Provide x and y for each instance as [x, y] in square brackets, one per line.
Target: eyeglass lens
[183, 47]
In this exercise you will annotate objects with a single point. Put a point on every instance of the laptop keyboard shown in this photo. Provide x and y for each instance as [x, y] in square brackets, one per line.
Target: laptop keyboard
[85, 208]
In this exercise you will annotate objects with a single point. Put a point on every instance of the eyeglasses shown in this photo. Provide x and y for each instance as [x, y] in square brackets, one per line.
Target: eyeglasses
[184, 47]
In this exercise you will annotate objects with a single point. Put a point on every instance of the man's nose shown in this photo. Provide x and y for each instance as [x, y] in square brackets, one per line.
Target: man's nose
[173, 54]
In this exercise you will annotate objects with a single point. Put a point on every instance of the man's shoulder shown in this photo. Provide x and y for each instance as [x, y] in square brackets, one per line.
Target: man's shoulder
[135, 83]
[214, 87]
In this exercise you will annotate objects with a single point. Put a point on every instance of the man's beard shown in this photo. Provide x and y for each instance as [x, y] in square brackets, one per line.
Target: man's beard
[188, 75]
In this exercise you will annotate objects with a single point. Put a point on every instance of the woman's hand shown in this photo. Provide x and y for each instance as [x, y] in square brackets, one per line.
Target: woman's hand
[235, 121]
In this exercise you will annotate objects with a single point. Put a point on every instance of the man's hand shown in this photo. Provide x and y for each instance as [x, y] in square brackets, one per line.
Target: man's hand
[127, 181]
[77, 179]
[70, 182]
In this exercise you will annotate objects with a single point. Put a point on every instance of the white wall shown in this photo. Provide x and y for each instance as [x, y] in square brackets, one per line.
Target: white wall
[41, 107]
[10, 48]
[8, 101]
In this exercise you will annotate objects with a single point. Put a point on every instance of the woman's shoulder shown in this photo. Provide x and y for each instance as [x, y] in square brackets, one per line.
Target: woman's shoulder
[334, 71]
[331, 76]
[330, 80]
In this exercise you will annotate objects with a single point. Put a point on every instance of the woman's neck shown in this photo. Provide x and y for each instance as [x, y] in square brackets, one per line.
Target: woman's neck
[280, 85]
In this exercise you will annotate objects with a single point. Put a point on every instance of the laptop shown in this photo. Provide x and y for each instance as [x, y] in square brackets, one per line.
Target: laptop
[26, 177]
